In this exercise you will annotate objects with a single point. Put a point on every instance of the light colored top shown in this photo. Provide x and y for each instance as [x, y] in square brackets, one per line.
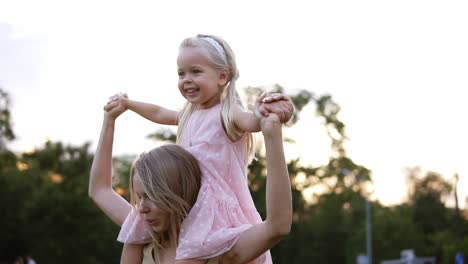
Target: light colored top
[224, 207]
[148, 256]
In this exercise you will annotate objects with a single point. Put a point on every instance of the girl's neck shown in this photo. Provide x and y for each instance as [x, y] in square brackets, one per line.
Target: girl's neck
[199, 107]
[209, 103]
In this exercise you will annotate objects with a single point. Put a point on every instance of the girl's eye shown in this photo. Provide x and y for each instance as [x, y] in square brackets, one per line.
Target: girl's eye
[196, 71]
[181, 74]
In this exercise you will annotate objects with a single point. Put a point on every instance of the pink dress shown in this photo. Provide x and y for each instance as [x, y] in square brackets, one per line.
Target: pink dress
[224, 207]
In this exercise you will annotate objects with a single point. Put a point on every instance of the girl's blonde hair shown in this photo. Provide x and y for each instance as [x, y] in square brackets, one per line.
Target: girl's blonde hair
[171, 178]
[229, 95]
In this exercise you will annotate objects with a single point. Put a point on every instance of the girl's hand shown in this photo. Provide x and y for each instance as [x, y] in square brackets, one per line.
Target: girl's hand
[115, 106]
[277, 103]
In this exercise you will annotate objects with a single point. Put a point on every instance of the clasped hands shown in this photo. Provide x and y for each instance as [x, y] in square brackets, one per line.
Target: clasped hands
[266, 103]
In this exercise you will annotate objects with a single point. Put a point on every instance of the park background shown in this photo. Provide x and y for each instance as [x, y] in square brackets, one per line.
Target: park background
[382, 85]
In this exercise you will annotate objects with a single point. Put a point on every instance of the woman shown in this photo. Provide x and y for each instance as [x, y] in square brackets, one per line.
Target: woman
[166, 182]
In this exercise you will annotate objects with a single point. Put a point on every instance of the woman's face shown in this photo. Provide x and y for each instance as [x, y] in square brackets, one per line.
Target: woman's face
[155, 217]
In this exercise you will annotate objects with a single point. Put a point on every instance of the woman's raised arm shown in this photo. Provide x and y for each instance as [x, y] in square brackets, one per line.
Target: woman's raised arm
[100, 180]
[261, 237]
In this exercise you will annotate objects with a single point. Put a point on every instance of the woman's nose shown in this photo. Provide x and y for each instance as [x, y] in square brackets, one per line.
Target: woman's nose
[142, 208]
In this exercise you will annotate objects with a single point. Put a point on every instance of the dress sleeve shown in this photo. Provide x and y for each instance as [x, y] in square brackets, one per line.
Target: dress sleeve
[134, 229]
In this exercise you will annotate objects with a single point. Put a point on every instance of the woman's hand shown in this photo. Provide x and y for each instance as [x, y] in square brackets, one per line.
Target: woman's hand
[116, 106]
[277, 103]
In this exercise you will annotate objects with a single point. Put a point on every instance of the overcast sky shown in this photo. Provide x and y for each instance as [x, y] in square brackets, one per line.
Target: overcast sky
[398, 69]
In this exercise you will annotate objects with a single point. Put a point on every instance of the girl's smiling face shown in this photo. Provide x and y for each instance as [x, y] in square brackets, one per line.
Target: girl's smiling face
[199, 82]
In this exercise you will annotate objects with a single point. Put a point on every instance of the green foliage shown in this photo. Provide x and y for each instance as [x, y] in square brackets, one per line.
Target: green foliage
[450, 249]
[50, 215]
[166, 135]
[393, 231]
[6, 132]
[321, 232]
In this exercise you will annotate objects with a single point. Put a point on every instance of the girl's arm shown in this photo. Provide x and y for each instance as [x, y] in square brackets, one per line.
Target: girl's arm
[279, 104]
[132, 253]
[151, 112]
[261, 237]
[100, 180]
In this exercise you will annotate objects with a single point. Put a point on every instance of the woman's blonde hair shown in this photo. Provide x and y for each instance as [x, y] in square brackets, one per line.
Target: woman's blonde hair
[171, 178]
[229, 95]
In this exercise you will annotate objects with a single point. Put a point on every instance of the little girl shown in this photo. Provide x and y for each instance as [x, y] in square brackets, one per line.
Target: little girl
[214, 127]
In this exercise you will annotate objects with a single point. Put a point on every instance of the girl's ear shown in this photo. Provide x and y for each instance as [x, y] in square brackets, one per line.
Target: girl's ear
[223, 77]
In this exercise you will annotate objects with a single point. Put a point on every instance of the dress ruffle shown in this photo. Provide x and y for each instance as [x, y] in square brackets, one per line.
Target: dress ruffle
[212, 227]
[134, 229]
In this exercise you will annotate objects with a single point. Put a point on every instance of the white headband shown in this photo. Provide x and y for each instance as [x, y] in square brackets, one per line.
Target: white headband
[217, 46]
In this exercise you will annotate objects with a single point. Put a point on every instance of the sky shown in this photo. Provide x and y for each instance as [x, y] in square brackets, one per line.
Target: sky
[398, 69]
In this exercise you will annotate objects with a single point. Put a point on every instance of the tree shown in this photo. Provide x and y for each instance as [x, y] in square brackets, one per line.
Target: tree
[427, 196]
[49, 214]
[6, 131]
[320, 231]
